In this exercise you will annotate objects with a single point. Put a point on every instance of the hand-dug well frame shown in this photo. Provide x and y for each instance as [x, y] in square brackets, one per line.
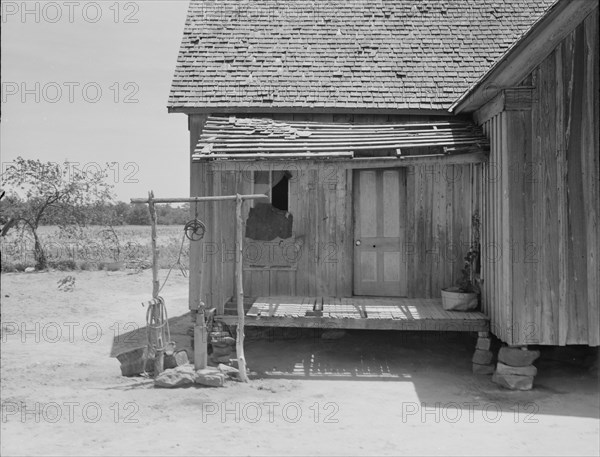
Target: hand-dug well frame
[200, 331]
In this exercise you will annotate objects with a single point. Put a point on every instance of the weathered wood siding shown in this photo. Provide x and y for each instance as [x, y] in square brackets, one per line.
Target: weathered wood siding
[541, 199]
[495, 261]
[440, 203]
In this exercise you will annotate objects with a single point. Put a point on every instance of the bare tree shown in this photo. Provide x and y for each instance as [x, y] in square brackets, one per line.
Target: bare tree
[37, 192]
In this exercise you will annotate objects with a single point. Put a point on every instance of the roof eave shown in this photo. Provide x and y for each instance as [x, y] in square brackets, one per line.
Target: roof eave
[306, 110]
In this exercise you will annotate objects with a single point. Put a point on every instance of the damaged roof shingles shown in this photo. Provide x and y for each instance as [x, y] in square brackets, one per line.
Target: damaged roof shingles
[390, 54]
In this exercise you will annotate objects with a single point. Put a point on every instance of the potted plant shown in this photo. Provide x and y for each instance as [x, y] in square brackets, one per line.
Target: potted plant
[465, 295]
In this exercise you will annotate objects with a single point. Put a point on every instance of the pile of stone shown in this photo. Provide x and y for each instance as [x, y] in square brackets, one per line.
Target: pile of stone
[176, 359]
[223, 347]
[515, 368]
[139, 360]
[186, 375]
[483, 356]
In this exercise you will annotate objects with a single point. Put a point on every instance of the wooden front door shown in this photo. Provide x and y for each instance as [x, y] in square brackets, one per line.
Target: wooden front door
[379, 232]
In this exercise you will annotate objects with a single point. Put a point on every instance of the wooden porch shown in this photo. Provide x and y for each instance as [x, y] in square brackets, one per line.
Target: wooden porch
[366, 313]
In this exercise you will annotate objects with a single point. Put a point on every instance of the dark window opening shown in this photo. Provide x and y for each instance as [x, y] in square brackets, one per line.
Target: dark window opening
[269, 220]
[280, 192]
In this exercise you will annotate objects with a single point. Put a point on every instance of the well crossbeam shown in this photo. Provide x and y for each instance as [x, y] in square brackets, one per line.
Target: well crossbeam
[200, 330]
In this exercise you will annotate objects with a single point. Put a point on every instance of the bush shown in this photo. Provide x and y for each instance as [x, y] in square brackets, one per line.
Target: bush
[8, 267]
[12, 267]
[63, 265]
[87, 266]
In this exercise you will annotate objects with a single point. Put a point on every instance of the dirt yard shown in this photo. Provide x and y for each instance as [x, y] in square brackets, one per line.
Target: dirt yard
[375, 393]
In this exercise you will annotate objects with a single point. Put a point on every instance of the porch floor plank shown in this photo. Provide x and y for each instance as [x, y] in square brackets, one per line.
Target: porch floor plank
[377, 313]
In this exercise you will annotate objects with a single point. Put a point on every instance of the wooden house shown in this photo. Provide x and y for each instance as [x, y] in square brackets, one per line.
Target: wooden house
[340, 115]
[539, 106]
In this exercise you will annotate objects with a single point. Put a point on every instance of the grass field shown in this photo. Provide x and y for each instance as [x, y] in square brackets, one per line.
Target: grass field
[92, 248]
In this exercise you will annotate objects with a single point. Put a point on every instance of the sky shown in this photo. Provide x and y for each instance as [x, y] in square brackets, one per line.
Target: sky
[88, 82]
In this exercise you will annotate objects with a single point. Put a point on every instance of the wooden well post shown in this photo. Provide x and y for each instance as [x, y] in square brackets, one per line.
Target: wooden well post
[200, 331]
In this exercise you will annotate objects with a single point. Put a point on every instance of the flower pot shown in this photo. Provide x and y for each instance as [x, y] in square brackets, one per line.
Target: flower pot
[454, 300]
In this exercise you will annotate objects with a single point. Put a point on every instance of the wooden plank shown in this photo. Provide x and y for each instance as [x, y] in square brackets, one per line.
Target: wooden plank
[485, 299]
[505, 219]
[490, 276]
[302, 234]
[364, 162]
[227, 154]
[497, 290]
[321, 221]
[528, 313]
[519, 128]
[452, 185]
[312, 236]
[490, 109]
[220, 218]
[197, 188]
[335, 225]
[591, 164]
[232, 184]
[409, 250]
[346, 258]
[548, 253]
[423, 231]
[343, 147]
[561, 195]
[403, 210]
[439, 229]
[240, 137]
[445, 325]
[237, 110]
[365, 125]
[577, 286]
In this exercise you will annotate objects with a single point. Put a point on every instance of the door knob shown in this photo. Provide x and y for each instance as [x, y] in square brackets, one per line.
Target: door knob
[358, 242]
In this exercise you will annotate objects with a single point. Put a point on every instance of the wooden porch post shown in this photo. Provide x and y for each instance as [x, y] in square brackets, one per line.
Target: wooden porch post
[240, 288]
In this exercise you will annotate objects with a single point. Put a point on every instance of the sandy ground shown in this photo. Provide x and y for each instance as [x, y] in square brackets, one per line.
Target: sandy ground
[370, 393]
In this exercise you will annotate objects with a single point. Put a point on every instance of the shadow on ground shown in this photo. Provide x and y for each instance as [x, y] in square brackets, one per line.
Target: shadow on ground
[138, 337]
[431, 361]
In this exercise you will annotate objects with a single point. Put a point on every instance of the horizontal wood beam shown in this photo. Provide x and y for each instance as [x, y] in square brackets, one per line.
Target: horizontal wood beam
[272, 156]
[446, 325]
[259, 141]
[306, 110]
[356, 163]
[244, 123]
[237, 136]
[344, 148]
[218, 198]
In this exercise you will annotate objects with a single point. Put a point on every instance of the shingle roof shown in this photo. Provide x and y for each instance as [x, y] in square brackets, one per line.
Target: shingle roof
[358, 54]
[532, 47]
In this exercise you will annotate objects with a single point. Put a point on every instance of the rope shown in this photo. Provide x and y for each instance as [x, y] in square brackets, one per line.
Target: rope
[158, 328]
[163, 321]
[177, 262]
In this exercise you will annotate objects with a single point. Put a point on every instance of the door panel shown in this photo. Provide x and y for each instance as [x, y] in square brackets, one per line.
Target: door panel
[379, 232]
